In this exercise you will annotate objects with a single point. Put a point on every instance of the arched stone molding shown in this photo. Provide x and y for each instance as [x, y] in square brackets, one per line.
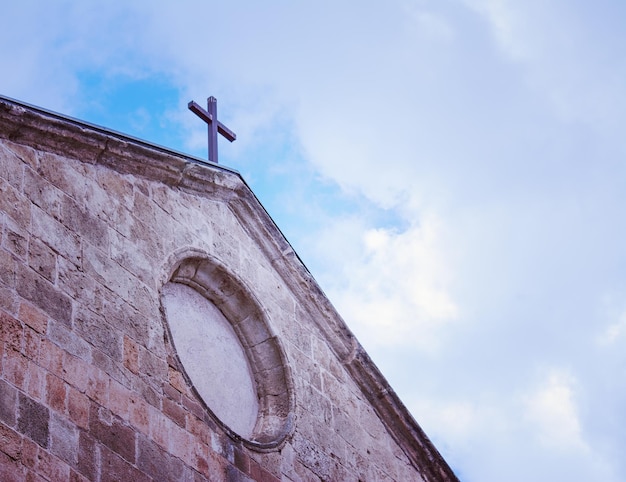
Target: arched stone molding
[266, 358]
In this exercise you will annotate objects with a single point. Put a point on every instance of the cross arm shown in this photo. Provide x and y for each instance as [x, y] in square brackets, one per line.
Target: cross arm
[208, 118]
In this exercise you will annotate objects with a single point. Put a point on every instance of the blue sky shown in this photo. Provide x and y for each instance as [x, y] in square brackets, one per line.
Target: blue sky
[452, 172]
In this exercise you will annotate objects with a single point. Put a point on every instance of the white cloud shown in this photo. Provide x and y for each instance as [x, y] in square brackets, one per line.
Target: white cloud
[394, 285]
[615, 330]
[563, 56]
[552, 409]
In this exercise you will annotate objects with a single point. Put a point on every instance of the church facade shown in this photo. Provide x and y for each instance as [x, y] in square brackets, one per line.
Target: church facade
[156, 325]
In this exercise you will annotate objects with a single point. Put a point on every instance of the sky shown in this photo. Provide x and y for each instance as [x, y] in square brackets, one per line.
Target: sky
[452, 172]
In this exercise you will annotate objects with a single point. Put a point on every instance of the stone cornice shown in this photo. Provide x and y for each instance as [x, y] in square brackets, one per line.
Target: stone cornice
[44, 130]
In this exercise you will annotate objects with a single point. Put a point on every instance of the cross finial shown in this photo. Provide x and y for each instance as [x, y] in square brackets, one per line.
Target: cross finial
[210, 117]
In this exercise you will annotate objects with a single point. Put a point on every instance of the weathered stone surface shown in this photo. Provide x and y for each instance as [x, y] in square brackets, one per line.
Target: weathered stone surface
[64, 439]
[42, 193]
[12, 202]
[44, 295]
[95, 330]
[56, 235]
[86, 225]
[69, 340]
[11, 331]
[16, 239]
[111, 432]
[33, 420]
[8, 403]
[12, 172]
[116, 469]
[42, 259]
[87, 463]
[156, 462]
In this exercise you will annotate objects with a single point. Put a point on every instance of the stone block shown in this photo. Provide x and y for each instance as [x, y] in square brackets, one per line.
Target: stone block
[98, 386]
[112, 367]
[15, 368]
[137, 261]
[108, 273]
[8, 404]
[145, 237]
[161, 195]
[16, 240]
[9, 300]
[11, 470]
[87, 462]
[78, 406]
[56, 235]
[44, 295]
[313, 457]
[119, 400]
[56, 393]
[10, 442]
[116, 185]
[78, 372]
[51, 358]
[33, 317]
[181, 442]
[60, 172]
[33, 420]
[69, 340]
[82, 222]
[199, 429]
[117, 217]
[115, 469]
[125, 318]
[177, 380]
[266, 355]
[149, 212]
[113, 433]
[13, 203]
[193, 406]
[30, 452]
[36, 381]
[42, 259]
[8, 267]
[156, 462]
[345, 426]
[11, 331]
[139, 414]
[99, 333]
[11, 167]
[78, 285]
[148, 392]
[300, 337]
[259, 474]
[252, 331]
[175, 412]
[32, 342]
[76, 477]
[64, 439]
[131, 355]
[171, 393]
[42, 193]
[152, 368]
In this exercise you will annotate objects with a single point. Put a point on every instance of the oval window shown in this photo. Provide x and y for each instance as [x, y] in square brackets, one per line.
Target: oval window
[212, 356]
[222, 338]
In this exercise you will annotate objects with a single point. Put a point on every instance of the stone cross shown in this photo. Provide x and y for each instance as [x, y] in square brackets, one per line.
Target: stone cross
[210, 117]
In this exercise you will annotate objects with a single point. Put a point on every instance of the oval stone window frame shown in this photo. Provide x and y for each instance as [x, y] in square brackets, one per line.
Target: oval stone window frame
[265, 356]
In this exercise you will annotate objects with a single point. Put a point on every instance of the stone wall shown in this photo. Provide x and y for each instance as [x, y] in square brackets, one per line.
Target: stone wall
[92, 387]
